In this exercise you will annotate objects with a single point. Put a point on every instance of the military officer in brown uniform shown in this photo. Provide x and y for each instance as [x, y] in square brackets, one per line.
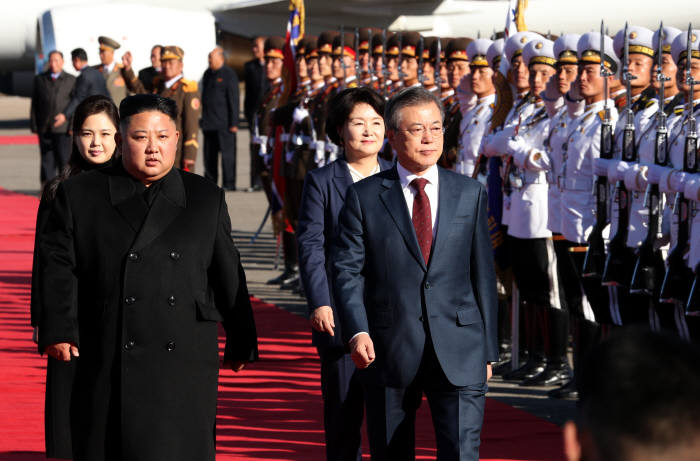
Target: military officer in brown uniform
[171, 84]
[111, 70]
[409, 56]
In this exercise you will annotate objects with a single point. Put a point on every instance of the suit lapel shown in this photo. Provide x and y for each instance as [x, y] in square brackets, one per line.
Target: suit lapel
[448, 201]
[124, 197]
[167, 205]
[395, 203]
[341, 177]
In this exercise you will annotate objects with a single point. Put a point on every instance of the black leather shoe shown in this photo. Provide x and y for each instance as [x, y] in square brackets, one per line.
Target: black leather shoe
[290, 282]
[288, 272]
[553, 375]
[566, 392]
[531, 368]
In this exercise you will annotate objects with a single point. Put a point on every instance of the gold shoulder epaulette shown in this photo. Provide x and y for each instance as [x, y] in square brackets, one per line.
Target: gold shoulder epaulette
[492, 105]
[601, 114]
[678, 110]
[650, 103]
[189, 86]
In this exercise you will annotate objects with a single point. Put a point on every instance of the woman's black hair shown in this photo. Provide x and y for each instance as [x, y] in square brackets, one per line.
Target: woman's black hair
[96, 104]
[342, 104]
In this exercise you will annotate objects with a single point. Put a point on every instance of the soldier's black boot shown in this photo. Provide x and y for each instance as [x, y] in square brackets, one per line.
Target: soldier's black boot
[289, 245]
[536, 362]
[586, 335]
[504, 337]
[557, 370]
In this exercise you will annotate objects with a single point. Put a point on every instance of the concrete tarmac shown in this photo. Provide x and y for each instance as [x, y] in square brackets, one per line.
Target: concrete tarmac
[19, 172]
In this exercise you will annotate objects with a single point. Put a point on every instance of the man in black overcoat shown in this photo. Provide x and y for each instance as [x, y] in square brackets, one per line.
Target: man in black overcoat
[138, 267]
[51, 93]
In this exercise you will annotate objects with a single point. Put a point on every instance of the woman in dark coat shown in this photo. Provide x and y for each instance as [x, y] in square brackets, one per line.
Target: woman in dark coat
[355, 123]
[95, 125]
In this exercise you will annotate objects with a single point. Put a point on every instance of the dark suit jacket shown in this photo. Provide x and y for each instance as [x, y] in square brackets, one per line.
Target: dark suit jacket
[89, 82]
[141, 291]
[49, 98]
[146, 75]
[321, 202]
[220, 106]
[382, 285]
[256, 86]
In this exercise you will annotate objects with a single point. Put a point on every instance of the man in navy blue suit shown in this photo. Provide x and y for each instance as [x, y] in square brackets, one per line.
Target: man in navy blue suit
[415, 288]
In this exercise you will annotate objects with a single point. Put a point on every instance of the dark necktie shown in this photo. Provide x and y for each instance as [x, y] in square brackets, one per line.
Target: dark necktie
[422, 221]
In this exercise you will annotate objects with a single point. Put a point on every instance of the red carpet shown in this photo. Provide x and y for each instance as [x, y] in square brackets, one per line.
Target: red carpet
[19, 139]
[271, 411]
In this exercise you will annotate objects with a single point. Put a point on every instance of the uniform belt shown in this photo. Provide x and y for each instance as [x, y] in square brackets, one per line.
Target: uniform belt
[534, 177]
[577, 184]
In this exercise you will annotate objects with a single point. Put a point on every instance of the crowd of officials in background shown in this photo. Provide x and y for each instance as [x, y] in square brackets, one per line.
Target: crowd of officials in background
[212, 105]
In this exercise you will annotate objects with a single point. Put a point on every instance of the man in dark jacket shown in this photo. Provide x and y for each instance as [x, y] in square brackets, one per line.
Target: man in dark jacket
[89, 82]
[137, 268]
[52, 91]
[256, 86]
[219, 120]
[148, 74]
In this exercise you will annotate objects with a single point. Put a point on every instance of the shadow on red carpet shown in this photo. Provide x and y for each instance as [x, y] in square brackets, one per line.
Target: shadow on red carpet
[269, 411]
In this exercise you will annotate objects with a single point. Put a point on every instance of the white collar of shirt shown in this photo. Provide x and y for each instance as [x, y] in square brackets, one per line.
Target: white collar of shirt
[56, 75]
[357, 176]
[109, 67]
[431, 190]
[172, 81]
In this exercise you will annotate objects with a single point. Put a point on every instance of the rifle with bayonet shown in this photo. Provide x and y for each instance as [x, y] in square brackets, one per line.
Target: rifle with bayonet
[647, 276]
[370, 66]
[421, 77]
[438, 63]
[618, 270]
[356, 48]
[678, 278]
[399, 64]
[342, 56]
[594, 261]
[385, 70]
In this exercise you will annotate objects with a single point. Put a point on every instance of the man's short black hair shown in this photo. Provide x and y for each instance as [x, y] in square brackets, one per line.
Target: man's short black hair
[138, 103]
[78, 53]
[640, 388]
[414, 96]
[342, 104]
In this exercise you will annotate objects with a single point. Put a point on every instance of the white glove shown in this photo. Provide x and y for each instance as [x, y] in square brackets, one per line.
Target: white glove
[575, 91]
[677, 180]
[466, 97]
[692, 188]
[617, 169]
[636, 177]
[654, 173]
[497, 144]
[600, 166]
[551, 91]
[518, 148]
[300, 113]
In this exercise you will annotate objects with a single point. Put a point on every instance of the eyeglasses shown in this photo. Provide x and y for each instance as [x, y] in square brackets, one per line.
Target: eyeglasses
[418, 131]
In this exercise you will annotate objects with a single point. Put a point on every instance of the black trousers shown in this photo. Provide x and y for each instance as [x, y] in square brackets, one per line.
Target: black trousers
[533, 261]
[457, 413]
[257, 165]
[343, 407]
[223, 141]
[55, 149]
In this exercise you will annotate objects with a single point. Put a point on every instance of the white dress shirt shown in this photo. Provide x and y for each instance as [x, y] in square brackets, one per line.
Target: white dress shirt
[172, 81]
[357, 176]
[431, 190]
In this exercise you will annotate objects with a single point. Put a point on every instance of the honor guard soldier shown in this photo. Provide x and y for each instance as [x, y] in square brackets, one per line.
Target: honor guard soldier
[457, 62]
[562, 111]
[580, 210]
[633, 45]
[377, 63]
[344, 61]
[474, 123]
[647, 204]
[429, 65]
[534, 260]
[408, 59]
[678, 179]
[368, 74]
[317, 104]
[394, 82]
[111, 70]
[172, 84]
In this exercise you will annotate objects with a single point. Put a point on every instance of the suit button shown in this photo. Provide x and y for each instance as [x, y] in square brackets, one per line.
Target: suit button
[171, 301]
[427, 285]
[133, 256]
[170, 346]
[130, 300]
[174, 255]
[129, 345]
